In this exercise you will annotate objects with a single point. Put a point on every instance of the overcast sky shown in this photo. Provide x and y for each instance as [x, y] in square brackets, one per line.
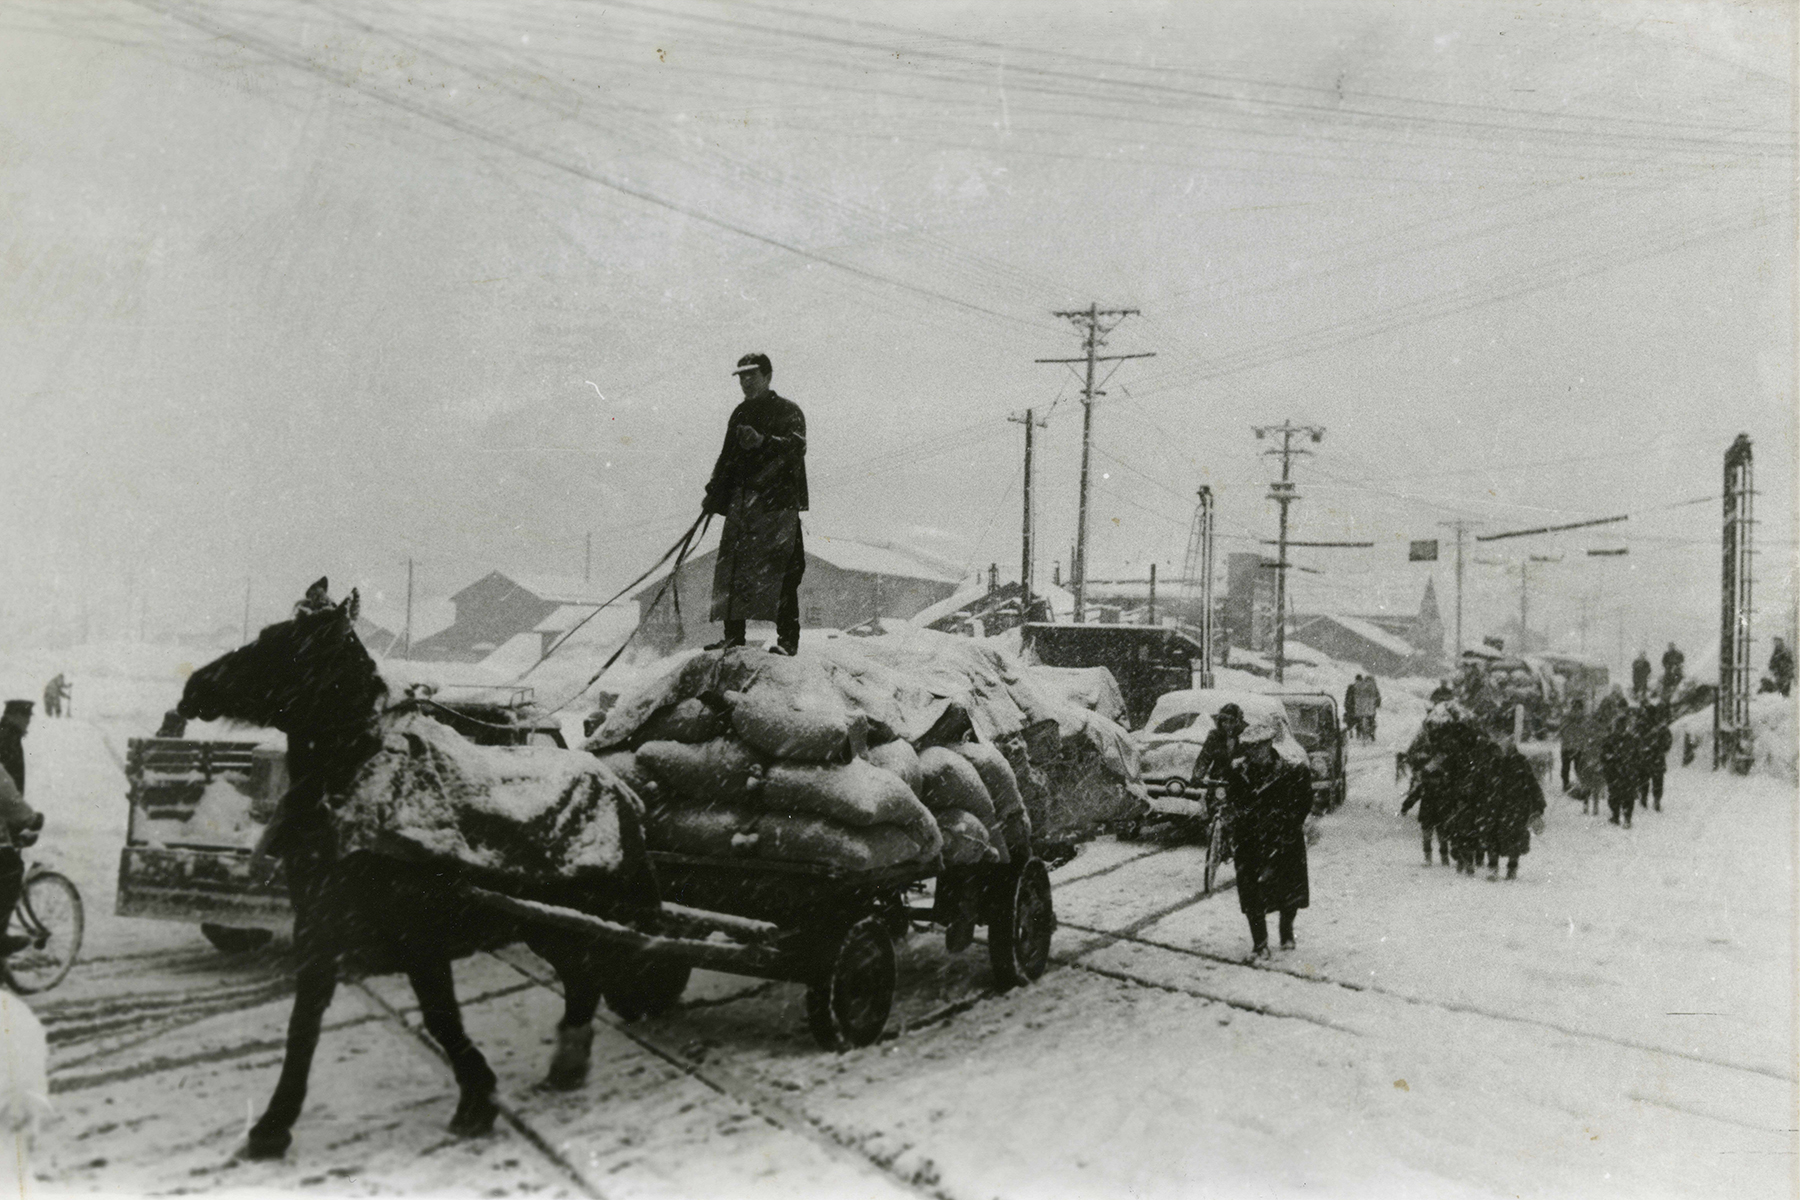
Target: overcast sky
[298, 289]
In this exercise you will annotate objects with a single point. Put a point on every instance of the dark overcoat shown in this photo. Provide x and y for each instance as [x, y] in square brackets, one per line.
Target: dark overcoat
[761, 493]
[1267, 809]
[1514, 800]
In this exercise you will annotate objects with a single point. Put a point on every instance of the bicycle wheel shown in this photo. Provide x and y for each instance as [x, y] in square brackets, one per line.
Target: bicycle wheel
[1216, 850]
[50, 914]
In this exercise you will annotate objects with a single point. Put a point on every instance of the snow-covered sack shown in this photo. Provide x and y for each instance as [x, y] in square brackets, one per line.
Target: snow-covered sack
[624, 764]
[966, 839]
[1003, 789]
[692, 720]
[534, 813]
[714, 832]
[720, 771]
[952, 782]
[903, 688]
[900, 758]
[810, 839]
[854, 793]
[809, 723]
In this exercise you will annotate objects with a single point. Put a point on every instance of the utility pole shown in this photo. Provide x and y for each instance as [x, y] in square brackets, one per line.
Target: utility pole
[1282, 492]
[406, 638]
[246, 610]
[1094, 323]
[1150, 617]
[1031, 422]
[587, 560]
[1462, 527]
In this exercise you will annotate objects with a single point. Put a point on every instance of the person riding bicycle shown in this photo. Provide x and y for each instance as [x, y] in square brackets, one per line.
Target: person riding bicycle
[19, 822]
[1220, 746]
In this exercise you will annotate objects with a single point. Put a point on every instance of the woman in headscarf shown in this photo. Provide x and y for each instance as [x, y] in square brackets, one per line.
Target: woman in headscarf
[1268, 797]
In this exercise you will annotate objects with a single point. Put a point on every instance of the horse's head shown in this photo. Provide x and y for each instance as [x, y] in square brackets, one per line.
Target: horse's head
[305, 675]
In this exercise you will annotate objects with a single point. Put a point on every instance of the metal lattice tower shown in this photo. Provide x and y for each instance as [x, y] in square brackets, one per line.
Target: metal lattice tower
[1732, 735]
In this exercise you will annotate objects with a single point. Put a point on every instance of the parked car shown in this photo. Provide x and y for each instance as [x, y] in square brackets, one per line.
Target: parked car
[1314, 719]
[1170, 741]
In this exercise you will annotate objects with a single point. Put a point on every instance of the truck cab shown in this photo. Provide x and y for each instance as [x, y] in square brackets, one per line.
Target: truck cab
[1147, 661]
[199, 807]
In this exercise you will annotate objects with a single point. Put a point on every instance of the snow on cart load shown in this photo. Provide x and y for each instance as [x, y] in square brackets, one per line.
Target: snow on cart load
[865, 753]
[522, 818]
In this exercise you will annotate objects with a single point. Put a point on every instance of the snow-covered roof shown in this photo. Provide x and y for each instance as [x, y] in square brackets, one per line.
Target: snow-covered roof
[562, 589]
[872, 559]
[1374, 633]
[961, 598]
[617, 619]
[428, 616]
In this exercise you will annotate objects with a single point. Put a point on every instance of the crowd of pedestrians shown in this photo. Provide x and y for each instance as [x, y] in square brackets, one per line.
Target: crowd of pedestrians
[1478, 797]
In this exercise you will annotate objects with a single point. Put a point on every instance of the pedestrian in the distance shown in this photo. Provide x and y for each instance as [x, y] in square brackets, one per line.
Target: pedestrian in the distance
[1640, 675]
[1352, 714]
[1428, 759]
[1573, 731]
[1268, 798]
[1515, 809]
[759, 486]
[1673, 664]
[1653, 743]
[1370, 705]
[1781, 667]
[1619, 758]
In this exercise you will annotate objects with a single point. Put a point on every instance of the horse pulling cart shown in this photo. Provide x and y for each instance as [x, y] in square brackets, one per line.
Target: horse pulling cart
[833, 930]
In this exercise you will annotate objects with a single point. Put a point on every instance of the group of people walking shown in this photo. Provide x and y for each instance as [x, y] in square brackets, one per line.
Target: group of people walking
[1619, 752]
[1478, 797]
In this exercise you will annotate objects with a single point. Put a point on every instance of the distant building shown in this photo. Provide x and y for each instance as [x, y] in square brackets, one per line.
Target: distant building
[1249, 608]
[502, 605]
[846, 584]
[1382, 643]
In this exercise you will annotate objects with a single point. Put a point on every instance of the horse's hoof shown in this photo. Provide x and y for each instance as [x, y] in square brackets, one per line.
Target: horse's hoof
[474, 1116]
[262, 1146]
[569, 1065]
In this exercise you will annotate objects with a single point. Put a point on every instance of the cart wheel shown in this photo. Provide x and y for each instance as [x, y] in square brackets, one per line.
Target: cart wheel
[852, 990]
[642, 986]
[1021, 919]
[232, 939]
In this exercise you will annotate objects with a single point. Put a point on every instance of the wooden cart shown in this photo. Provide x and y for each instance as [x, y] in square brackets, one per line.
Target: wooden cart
[835, 931]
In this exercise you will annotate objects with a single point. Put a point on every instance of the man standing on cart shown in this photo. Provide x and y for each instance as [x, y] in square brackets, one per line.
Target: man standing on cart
[1268, 799]
[759, 486]
[16, 817]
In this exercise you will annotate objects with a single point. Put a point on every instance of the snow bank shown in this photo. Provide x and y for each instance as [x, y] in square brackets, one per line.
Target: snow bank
[1772, 716]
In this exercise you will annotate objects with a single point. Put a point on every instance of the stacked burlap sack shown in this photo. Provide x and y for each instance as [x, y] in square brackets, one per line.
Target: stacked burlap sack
[861, 754]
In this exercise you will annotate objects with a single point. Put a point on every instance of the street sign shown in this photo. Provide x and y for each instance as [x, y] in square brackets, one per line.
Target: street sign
[1425, 551]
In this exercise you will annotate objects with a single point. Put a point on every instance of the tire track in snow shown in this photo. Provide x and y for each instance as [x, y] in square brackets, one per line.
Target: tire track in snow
[385, 1012]
[761, 1099]
[1121, 935]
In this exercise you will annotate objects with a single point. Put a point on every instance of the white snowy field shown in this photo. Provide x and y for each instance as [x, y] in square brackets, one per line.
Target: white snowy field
[1619, 1021]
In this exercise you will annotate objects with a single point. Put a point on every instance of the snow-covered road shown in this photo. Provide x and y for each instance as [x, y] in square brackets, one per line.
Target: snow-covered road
[1618, 1021]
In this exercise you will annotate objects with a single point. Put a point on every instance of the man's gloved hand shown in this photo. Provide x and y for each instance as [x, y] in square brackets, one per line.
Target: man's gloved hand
[748, 438]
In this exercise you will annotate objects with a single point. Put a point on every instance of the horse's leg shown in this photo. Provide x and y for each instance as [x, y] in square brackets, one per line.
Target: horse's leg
[314, 983]
[435, 987]
[580, 977]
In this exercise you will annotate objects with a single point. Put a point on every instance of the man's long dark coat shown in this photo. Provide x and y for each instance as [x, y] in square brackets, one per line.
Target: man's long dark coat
[1514, 801]
[1268, 814]
[761, 492]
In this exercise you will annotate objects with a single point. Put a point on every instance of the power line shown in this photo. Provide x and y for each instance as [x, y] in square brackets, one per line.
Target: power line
[357, 82]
